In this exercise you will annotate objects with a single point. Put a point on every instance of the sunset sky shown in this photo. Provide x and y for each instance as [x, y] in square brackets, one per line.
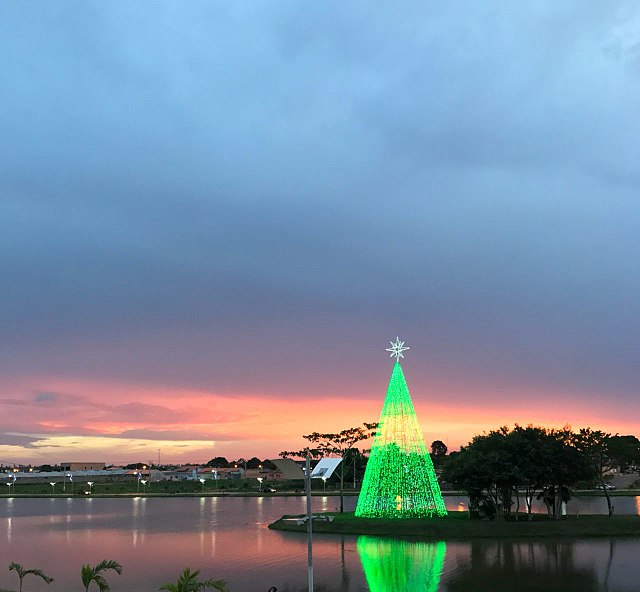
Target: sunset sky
[215, 216]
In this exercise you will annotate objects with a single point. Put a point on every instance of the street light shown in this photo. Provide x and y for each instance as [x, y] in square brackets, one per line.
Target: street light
[260, 479]
[9, 484]
[139, 479]
[215, 478]
[70, 475]
[53, 487]
[90, 484]
[202, 481]
[144, 485]
[324, 484]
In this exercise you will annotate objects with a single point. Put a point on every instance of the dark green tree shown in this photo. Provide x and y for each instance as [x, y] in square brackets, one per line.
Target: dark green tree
[438, 448]
[219, 462]
[335, 444]
[594, 446]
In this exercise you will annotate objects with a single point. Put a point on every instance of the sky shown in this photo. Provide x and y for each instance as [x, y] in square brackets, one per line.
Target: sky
[215, 216]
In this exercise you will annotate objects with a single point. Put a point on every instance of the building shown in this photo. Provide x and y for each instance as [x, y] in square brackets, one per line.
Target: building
[82, 466]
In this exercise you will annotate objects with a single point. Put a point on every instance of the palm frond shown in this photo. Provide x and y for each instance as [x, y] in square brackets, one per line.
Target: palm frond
[108, 564]
[40, 574]
[218, 585]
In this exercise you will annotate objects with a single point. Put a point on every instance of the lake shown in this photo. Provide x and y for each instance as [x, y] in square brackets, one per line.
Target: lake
[155, 538]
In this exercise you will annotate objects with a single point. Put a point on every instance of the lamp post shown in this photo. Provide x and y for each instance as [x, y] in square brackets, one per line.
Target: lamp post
[90, 484]
[260, 480]
[202, 481]
[139, 479]
[324, 485]
[53, 487]
[9, 484]
[215, 478]
[144, 485]
[70, 475]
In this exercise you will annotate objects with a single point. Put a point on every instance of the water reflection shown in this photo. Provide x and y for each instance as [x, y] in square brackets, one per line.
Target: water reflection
[507, 566]
[155, 538]
[401, 566]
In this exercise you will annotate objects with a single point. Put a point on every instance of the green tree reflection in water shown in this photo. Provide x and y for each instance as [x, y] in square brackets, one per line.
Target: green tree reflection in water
[401, 566]
[526, 567]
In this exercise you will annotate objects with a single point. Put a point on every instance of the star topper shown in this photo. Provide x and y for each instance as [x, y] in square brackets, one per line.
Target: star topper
[396, 349]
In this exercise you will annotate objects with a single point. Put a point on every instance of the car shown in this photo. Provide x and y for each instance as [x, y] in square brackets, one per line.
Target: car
[607, 486]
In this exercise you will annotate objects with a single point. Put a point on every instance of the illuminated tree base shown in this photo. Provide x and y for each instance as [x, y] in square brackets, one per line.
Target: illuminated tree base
[400, 481]
[401, 566]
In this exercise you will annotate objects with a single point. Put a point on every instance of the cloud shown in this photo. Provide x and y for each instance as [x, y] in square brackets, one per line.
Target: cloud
[254, 208]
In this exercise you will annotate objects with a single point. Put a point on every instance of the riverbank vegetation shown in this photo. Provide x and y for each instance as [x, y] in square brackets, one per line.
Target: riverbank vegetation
[504, 470]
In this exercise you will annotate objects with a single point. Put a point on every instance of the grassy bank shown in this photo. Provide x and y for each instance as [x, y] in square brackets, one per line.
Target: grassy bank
[458, 526]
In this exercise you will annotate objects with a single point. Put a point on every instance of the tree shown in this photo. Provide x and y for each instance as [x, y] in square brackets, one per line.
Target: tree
[493, 468]
[594, 445]
[336, 444]
[624, 450]
[219, 462]
[22, 572]
[438, 448]
[254, 463]
[94, 574]
[189, 582]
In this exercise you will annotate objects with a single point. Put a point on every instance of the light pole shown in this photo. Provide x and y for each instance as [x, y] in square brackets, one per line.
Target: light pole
[324, 485]
[9, 484]
[70, 475]
[90, 484]
[139, 479]
[144, 485]
[202, 481]
[260, 480]
[53, 487]
[215, 478]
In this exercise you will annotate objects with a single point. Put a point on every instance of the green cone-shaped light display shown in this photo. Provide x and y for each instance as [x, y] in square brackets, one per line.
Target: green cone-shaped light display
[400, 481]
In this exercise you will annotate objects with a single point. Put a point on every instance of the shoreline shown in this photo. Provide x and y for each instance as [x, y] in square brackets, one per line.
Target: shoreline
[457, 526]
[238, 493]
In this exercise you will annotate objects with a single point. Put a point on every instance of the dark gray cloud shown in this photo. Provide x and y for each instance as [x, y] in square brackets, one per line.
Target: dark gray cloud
[204, 195]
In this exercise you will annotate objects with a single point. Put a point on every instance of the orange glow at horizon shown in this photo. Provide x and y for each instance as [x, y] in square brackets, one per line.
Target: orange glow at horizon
[124, 423]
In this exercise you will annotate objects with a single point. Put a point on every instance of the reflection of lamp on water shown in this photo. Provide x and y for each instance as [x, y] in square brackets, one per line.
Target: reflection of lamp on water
[401, 566]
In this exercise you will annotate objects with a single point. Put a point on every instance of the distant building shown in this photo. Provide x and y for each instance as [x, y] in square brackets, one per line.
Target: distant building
[82, 466]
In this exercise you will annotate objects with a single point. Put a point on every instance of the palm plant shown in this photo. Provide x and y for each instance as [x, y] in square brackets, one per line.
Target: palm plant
[22, 572]
[189, 582]
[94, 574]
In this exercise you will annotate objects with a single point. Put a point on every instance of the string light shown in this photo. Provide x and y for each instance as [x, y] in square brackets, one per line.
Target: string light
[401, 566]
[400, 481]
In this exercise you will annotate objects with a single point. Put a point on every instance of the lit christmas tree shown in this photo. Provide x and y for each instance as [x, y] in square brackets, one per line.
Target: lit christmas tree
[400, 481]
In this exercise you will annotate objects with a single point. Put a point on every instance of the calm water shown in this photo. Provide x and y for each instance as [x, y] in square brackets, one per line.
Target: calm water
[228, 538]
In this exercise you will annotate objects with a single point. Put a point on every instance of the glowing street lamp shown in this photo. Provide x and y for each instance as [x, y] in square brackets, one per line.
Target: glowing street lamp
[202, 481]
[324, 484]
[139, 479]
[53, 487]
[70, 475]
[144, 485]
[260, 479]
[9, 484]
[90, 484]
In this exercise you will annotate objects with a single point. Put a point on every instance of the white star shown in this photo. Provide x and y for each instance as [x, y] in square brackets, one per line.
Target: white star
[396, 349]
